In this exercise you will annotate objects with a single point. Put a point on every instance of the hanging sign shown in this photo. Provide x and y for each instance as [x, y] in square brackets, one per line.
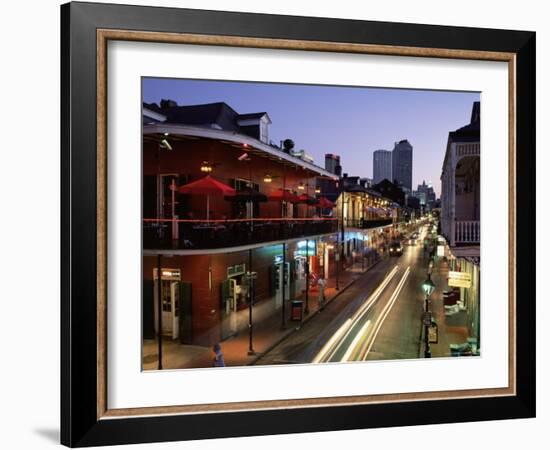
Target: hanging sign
[433, 334]
[460, 279]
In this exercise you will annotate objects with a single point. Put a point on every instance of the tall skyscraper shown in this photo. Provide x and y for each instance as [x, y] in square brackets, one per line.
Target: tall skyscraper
[328, 187]
[402, 164]
[381, 166]
[332, 162]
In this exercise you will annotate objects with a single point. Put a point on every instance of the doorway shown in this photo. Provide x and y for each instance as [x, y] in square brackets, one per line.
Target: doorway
[279, 281]
[170, 301]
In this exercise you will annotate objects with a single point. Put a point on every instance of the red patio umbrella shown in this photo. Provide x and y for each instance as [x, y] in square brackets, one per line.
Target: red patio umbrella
[325, 203]
[307, 199]
[207, 186]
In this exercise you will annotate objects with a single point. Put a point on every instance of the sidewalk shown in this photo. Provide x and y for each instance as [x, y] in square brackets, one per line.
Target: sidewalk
[452, 329]
[267, 331]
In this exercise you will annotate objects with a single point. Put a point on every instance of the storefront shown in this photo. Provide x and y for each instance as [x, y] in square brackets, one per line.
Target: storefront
[205, 297]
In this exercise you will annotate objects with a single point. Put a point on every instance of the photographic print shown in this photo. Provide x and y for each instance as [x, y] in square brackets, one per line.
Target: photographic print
[307, 211]
[304, 224]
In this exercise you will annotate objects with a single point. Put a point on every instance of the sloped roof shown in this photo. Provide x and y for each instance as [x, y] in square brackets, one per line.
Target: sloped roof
[210, 113]
[257, 115]
[470, 132]
[219, 113]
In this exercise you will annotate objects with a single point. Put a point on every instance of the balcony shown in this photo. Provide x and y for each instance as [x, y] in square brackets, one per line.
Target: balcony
[368, 223]
[466, 232]
[203, 235]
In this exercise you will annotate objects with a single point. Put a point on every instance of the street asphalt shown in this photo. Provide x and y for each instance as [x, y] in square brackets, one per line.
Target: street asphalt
[377, 317]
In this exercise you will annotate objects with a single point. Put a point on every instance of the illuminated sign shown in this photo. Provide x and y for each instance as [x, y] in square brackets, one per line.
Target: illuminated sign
[235, 270]
[310, 244]
[168, 274]
[433, 333]
[460, 279]
[306, 248]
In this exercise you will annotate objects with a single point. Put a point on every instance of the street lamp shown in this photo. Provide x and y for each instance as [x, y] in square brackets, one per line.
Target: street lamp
[428, 287]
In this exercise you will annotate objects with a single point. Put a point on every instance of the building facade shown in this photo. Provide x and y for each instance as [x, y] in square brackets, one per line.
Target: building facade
[402, 164]
[382, 165]
[228, 221]
[460, 213]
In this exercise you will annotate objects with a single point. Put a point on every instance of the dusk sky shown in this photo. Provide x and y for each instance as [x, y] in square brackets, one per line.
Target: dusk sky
[349, 121]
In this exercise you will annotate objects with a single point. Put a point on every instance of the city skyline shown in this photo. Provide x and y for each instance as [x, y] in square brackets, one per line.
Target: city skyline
[351, 122]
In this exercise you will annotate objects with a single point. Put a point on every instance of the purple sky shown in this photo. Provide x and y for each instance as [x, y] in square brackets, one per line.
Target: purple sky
[349, 121]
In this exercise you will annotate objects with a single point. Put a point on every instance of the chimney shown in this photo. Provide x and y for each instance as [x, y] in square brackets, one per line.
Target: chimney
[167, 103]
[288, 145]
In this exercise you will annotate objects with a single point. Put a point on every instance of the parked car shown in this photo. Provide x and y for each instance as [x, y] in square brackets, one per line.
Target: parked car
[396, 249]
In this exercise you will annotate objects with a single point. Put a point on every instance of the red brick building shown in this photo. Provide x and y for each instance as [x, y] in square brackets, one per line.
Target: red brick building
[262, 219]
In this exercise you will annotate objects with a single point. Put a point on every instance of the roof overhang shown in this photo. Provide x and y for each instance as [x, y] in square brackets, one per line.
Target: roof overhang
[234, 138]
[153, 115]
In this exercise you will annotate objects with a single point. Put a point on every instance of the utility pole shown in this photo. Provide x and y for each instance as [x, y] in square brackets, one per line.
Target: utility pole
[306, 311]
[283, 283]
[159, 308]
[251, 288]
[342, 232]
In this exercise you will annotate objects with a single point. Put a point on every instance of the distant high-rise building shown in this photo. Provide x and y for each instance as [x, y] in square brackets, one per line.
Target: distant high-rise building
[426, 195]
[329, 188]
[332, 162]
[402, 165]
[381, 166]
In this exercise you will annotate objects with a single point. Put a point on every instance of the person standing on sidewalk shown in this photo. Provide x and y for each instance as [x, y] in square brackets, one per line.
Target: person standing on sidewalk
[322, 283]
[218, 360]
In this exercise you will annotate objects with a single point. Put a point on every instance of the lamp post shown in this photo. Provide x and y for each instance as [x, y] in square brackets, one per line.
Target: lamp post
[428, 287]
[283, 293]
[306, 267]
[159, 308]
[251, 277]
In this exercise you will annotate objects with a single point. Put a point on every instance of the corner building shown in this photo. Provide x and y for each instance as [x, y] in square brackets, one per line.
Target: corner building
[205, 243]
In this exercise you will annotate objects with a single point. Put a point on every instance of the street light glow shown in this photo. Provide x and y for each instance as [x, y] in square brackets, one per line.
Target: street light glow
[428, 286]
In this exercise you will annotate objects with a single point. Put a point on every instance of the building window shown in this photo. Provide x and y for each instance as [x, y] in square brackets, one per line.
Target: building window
[241, 184]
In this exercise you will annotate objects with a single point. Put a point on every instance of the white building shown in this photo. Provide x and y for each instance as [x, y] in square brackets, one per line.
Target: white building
[460, 186]
[460, 214]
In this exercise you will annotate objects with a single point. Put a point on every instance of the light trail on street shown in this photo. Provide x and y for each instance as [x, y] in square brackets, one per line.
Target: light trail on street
[328, 350]
[354, 339]
[376, 318]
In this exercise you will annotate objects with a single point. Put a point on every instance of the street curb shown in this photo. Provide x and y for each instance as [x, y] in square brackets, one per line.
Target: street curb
[305, 320]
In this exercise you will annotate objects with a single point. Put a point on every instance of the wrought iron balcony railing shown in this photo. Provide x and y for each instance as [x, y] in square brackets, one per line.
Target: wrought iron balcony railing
[368, 223]
[211, 234]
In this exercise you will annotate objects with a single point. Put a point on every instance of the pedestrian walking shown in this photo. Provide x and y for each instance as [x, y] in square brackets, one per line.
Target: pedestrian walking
[322, 283]
[218, 360]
